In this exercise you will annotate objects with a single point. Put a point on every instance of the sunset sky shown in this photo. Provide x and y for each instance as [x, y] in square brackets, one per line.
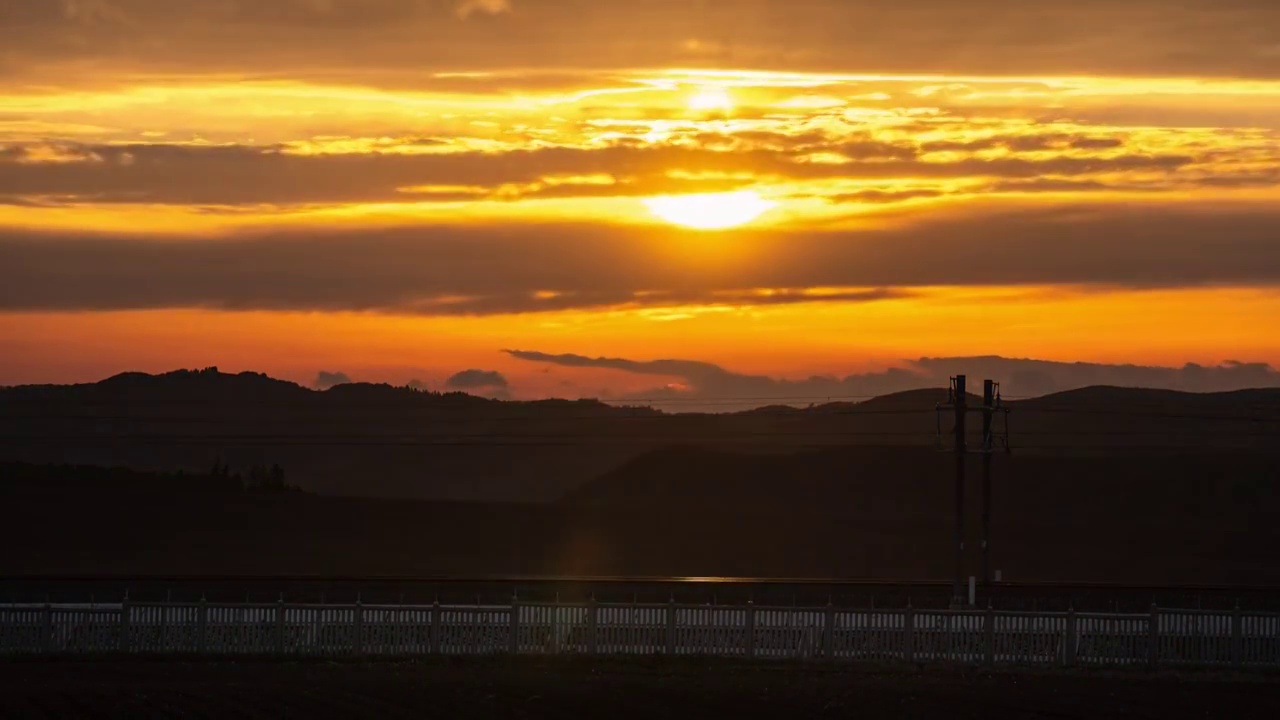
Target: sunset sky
[397, 190]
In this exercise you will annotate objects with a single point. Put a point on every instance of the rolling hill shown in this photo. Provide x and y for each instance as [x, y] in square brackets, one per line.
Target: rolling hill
[383, 441]
[1107, 484]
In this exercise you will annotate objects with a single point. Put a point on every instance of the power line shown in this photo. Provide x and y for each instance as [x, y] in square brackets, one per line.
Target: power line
[454, 418]
[921, 442]
[322, 437]
[1162, 415]
[611, 402]
[445, 415]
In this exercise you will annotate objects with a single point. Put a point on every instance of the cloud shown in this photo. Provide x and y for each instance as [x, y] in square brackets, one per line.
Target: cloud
[532, 267]
[325, 380]
[90, 12]
[74, 173]
[887, 196]
[488, 7]
[693, 370]
[1088, 37]
[1041, 377]
[1026, 143]
[1056, 185]
[474, 379]
[1018, 377]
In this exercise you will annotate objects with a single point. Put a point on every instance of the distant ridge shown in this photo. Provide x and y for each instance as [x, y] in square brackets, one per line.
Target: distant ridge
[1120, 397]
[925, 398]
[858, 481]
[228, 387]
[382, 441]
[1102, 482]
[209, 385]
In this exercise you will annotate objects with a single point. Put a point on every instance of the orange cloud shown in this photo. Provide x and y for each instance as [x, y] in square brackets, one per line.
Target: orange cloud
[488, 7]
[461, 269]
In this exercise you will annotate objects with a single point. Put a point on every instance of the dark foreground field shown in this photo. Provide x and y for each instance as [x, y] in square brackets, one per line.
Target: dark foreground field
[529, 688]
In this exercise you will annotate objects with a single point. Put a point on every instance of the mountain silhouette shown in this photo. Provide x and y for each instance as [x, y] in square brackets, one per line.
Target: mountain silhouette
[1105, 484]
[383, 441]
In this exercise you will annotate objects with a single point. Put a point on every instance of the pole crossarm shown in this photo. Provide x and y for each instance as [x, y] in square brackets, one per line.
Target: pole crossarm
[958, 406]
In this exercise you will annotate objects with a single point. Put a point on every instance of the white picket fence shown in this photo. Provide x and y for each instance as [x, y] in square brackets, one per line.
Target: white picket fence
[1160, 638]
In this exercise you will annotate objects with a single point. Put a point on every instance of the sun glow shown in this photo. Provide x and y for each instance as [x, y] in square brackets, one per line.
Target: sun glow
[710, 211]
[711, 99]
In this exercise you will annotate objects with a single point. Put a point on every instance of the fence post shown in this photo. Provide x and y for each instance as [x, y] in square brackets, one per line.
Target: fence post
[1153, 638]
[555, 626]
[435, 627]
[671, 626]
[909, 633]
[280, 612]
[47, 621]
[513, 643]
[202, 626]
[1237, 637]
[989, 636]
[829, 632]
[358, 639]
[163, 626]
[751, 628]
[1069, 639]
[124, 625]
[592, 621]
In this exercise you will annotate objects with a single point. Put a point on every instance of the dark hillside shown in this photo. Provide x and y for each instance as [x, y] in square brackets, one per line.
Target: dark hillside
[694, 512]
[383, 441]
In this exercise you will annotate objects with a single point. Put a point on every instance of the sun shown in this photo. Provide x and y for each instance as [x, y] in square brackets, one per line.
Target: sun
[710, 99]
[710, 211]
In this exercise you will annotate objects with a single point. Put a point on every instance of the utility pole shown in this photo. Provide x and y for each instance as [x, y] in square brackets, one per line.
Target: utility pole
[958, 401]
[988, 403]
[961, 402]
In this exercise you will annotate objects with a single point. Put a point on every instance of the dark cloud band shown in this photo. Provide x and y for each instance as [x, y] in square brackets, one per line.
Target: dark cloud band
[255, 176]
[1224, 38]
[472, 379]
[505, 268]
[1025, 377]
